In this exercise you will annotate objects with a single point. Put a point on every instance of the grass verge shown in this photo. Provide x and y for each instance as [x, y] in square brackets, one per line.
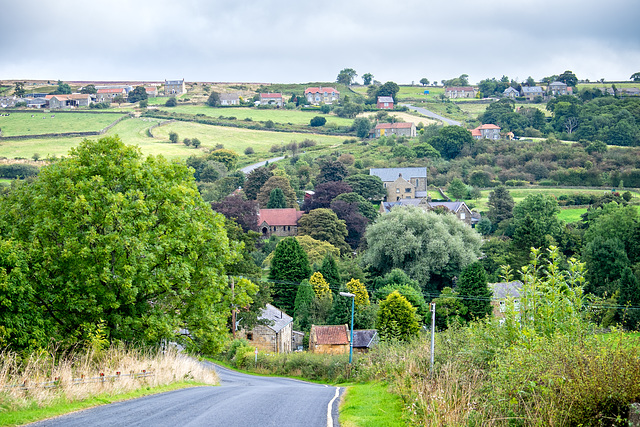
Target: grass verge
[371, 405]
[61, 406]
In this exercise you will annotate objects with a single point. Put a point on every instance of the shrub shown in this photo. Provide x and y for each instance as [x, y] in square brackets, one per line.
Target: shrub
[317, 121]
[171, 102]
[249, 151]
[173, 137]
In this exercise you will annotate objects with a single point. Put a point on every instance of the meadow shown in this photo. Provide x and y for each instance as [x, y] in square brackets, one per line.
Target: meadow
[39, 122]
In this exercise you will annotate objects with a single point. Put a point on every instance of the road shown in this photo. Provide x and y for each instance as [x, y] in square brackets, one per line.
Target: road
[249, 168]
[241, 400]
[432, 114]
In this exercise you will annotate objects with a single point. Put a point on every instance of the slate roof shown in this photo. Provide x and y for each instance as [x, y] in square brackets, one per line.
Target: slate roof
[452, 206]
[558, 84]
[331, 334]
[509, 90]
[273, 217]
[173, 82]
[279, 318]
[504, 290]
[531, 89]
[391, 174]
[320, 90]
[385, 99]
[402, 125]
[364, 338]
[229, 96]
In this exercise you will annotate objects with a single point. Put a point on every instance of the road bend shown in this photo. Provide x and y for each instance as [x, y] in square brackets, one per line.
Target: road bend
[241, 400]
[431, 114]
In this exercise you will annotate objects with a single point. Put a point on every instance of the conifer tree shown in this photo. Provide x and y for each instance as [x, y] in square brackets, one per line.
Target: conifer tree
[474, 289]
[630, 297]
[276, 199]
[289, 267]
[329, 270]
[303, 306]
[319, 285]
[357, 288]
[340, 313]
[397, 318]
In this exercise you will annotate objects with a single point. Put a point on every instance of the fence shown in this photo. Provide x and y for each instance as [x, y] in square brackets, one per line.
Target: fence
[101, 378]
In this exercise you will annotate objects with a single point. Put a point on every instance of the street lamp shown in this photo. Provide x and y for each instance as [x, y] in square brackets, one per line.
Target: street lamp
[353, 299]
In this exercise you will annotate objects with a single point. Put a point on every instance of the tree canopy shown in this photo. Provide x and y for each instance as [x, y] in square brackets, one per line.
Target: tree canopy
[323, 224]
[397, 318]
[289, 267]
[137, 94]
[346, 76]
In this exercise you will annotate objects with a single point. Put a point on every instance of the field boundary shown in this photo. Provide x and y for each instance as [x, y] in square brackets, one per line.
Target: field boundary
[67, 134]
[166, 122]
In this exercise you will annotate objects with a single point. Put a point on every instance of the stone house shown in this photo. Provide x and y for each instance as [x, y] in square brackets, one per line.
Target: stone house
[488, 131]
[458, 208]
[73, 100]
[558, 88]
[107, 95]
[364, 339]
[460, 92]
[229, 99]
[400, 129]
[329, 339]
[9, 101]
[152, 91]
[385, 103]
[319, 95]
[503, 292]
[275, 336]
[271, 99]
[279, 222]
[174, 87]
[510, 93]
[398, 180]
[530, 92]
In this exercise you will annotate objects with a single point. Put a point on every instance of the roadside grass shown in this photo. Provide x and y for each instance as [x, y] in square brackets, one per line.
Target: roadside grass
[296, 117]
[38, 122]
[238, 139]
[371, 405]
[62, 406]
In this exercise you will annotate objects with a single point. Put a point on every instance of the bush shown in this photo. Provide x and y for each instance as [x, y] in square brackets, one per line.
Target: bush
[317, 121]
[171, 102]
[249, 151]
[173, 137]
[18, 170]
[100, 105]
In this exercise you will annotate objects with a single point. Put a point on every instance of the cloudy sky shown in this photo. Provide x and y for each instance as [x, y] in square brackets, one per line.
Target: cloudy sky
[303, 41]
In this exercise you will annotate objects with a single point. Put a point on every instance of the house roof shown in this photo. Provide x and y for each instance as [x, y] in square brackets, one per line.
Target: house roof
[394, 125]
[476, 132]
[150, 88]
[270, 95]
[510, 89]
[452, 206]
[504, 290]
[320, 89]
[279, 318]
[229, 96]
[391, 174]
[531, 89]
[69, 96]
[273, 217]
[460, 89]
[363, 338]
[385, 99]
[173, 82]
[331, 334]
[112, 90]
[558, 84]
[488, 126]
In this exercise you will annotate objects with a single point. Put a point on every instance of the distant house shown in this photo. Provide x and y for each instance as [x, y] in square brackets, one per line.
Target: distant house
[557, 89]
[502, 292]
[318, 95]
[460, 92]
[279, 222]
[530, 92]
[385, 103]
[488, 131]
[36, 102]
[174, 87]
[107, 95]
[276, 335]
[364, 339]
[68, 101]
[402, 183]
[152, 91]
[510, 93]
[271, 99]
[329, 339]
[458, 208]
[9, 101]
[400, 129]
[631, 91]
[229, 99]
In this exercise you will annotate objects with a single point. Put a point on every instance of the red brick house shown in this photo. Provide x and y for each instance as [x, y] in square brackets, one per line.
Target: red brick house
[281, 222]
[385, 103]
[400, 129]
[329, 339]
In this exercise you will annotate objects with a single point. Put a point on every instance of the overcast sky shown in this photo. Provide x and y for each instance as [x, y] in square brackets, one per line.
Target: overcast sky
[302, 41]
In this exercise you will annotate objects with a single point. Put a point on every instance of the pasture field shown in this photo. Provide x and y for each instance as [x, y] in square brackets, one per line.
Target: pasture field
[295, 117]
[39, 122]
[581, 86]
[413, 92]
[238, 139]
[571, 214]
[405, 117]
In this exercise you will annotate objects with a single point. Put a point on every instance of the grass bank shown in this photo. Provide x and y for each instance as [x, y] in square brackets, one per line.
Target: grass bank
[371, 405]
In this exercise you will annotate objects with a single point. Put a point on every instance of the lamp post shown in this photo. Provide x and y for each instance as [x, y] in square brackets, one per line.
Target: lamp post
[353, 300]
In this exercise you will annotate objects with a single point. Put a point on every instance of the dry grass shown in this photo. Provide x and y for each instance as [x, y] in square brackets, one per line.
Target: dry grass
[44, 378]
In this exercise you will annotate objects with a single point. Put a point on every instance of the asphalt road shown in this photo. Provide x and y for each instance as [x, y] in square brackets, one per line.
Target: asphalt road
[249, 168]
[241, 400]
[432, 114]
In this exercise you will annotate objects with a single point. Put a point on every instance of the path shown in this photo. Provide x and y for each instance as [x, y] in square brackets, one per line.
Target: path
[249, 168]
[432, 114]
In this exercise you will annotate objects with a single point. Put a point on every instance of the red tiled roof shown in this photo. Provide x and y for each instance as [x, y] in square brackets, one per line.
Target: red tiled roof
[332, 334]
[488, 126]
[69, 96]
[402, 125]
[151, 89]
[270, 95]
[273, 217]
[320, 89]
[476, 132]
[111, 91]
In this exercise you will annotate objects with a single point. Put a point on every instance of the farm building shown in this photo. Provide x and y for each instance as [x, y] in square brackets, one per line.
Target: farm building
[276, 335]
[329, 339]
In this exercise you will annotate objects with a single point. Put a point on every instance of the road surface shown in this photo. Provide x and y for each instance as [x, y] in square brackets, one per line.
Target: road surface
[432, 114]
[241, 400]
[249, 168]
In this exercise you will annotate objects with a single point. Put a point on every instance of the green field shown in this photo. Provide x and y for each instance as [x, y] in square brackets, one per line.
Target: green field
[39, 122]
[295, 117]
[413, 92]
[571, 214]
[581, 86]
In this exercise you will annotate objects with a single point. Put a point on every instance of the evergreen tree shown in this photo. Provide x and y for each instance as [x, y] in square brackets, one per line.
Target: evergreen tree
[630, 297]
[340, 313]
[289, 267]
[323, 224]
[319, 285]
[500, 205]
[303, 306]
[329, 270]
[255, 180]
[276, 199]
[357, 288]
[473, 287]
[397, 318]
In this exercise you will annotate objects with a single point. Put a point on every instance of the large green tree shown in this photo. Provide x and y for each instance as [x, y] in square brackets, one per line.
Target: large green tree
[430, 248]
[303, 306]
[473, 288]
[112, 238]
[137, 94]
[397, 319]
[323, 224]
[536, 223]
[281, 182]
[450, 141]
[346, 76]
[500, 205]
[370, 187]
[276, 199]
[329, 270]
[289, 267]
[255, 180]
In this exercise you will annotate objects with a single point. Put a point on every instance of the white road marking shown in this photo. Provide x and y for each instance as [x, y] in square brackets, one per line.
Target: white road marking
[329, 417]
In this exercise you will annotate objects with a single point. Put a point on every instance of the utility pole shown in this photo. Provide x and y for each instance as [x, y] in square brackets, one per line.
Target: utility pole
[433, 333]
[233, 309]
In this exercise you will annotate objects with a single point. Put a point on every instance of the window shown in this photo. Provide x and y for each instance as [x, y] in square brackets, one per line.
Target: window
[397, 190]
[463, 216]
[407, 190]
